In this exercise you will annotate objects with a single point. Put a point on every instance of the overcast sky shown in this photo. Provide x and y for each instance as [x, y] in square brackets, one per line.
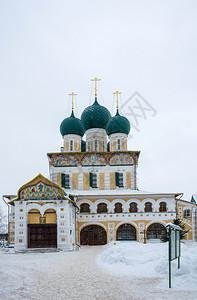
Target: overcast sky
[51, 48]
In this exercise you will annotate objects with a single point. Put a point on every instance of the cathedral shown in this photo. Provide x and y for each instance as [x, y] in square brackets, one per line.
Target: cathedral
[92, 196]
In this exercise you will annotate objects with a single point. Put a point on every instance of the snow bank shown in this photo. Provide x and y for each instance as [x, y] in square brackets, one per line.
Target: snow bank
[151, 260]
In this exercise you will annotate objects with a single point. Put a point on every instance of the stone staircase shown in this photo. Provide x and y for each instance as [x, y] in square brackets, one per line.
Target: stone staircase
[39, 250]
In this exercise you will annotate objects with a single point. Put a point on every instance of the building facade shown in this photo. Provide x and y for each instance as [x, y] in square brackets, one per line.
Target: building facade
[92, 196]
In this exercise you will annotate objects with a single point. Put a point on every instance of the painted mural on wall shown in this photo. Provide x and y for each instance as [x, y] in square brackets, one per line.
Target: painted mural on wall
[65, 160]
[121, 159]
[41, 191]
[94, 160]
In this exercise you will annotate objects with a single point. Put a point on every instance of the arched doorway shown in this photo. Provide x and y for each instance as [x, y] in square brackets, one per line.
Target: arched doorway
[93, 235]
[126, 232]
[42, 231]
[156, 231]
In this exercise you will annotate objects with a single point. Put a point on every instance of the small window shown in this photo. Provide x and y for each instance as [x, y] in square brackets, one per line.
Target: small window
[118, 208]
[89, 146]
[148, 207]
[118, 144]
[119, 179]
[95, 145]
[93, 180]
[103, 146]
[71, 145]
[187, 213]
[85, 207]
[65, 179]
[133, 207]
[102, 208]
[162, 207]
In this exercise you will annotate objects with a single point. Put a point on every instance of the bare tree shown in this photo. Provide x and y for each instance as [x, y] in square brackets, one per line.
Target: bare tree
[3, 221]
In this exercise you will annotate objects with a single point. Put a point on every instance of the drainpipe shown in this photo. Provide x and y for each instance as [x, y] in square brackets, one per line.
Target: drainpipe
[135, 175]
[76, 208]
[176, 199]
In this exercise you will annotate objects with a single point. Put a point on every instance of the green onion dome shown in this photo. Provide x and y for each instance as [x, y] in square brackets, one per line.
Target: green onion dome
[72, 125]
[118, 124]
[95, 116]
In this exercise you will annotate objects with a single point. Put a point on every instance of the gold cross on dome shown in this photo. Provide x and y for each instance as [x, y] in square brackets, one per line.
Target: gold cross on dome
[72, 94]
[96, 80]
[117, 93]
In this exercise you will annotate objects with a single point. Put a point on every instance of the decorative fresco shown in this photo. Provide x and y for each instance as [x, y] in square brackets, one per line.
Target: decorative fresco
[41, 191]
[121, 159]
[93, 160]
[65, 160]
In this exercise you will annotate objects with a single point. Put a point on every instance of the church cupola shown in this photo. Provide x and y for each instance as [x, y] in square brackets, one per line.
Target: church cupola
[72, 131]
[118, 129]
[95, 118]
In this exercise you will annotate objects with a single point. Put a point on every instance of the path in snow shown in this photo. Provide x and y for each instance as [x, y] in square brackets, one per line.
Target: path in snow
[73, 275]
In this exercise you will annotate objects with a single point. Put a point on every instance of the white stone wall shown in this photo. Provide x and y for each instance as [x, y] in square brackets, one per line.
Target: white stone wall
[95, 169]
[126, 204]
[114, 139]
[96, 134]
[65, 211]
[76, 139]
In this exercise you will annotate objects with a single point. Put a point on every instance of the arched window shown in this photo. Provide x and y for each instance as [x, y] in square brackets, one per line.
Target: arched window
[118, 144]
[162, 207]
[102, 208]
[85, 207]
[156, 231]
[126, 232]
[148, 207]
[71, 145]
[133, 207]
[89, 146]
[118, 208]
[95, 145]
[103, 146]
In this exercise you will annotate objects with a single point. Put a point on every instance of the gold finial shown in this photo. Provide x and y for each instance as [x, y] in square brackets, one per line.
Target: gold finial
[72, 94]
[117, 93]
[96, 79]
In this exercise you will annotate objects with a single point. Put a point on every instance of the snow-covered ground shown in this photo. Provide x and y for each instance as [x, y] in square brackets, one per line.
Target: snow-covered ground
[150, 260]
[127, 270]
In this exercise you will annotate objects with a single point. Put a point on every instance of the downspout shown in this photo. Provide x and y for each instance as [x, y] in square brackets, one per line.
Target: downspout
[176, 199]
[76, 209]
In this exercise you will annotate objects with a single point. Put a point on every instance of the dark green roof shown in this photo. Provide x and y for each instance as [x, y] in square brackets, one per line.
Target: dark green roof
[193, 200]
[95, 116]
[118, 124]
[72, 125]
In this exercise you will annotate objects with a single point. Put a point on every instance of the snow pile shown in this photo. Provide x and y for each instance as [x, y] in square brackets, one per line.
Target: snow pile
[151, 260]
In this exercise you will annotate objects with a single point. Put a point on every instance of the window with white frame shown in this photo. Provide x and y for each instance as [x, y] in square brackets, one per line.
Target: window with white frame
[103, 146]
[65, 179]
[119, 179]
[118, 144]
[95, 145]
[89, 146]
[71, 145]
[93, 180]
[187, 213]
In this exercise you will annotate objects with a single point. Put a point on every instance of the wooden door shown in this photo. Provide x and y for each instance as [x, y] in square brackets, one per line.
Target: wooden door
[93, 235]
[42, 235]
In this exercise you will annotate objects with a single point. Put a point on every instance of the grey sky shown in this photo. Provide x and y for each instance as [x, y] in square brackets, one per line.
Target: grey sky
[51, 48]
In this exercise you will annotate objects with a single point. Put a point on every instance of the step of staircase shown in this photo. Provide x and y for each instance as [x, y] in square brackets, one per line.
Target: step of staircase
[39, 250]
